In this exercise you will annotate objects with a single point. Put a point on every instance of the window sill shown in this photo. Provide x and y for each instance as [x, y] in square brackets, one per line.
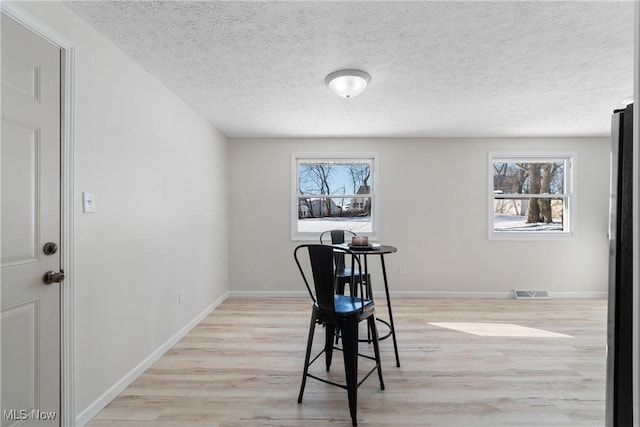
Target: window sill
[518, 236]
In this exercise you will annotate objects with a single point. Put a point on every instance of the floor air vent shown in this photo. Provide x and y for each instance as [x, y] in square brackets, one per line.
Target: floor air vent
[531, 294]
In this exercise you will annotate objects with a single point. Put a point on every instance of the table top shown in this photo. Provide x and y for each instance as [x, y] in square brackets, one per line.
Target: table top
[374, 249]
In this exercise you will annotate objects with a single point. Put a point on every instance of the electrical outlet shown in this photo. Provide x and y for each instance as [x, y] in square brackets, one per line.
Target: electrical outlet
[402, 270]
[181, 296]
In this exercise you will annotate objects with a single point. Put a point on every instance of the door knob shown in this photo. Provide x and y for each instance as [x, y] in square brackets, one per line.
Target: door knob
[52, 277]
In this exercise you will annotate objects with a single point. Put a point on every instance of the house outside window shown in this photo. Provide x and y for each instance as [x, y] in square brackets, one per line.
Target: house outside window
[333, 191]
[531, 196]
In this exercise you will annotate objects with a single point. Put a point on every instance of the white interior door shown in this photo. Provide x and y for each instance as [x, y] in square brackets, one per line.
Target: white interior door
[30, 204]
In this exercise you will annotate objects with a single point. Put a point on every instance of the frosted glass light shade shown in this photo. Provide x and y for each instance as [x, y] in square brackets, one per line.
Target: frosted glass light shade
[348, 83]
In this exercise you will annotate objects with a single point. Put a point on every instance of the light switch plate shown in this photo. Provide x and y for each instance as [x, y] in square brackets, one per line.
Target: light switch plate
[88, 202]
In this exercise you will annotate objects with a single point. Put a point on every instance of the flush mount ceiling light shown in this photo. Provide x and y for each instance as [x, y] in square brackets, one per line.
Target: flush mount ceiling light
[348, 83]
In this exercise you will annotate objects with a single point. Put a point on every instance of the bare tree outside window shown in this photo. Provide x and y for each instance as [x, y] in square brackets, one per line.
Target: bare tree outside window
[335, 193]
[314, 181]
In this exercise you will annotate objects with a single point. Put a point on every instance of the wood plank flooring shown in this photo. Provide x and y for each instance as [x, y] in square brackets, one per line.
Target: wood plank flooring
[242, 367]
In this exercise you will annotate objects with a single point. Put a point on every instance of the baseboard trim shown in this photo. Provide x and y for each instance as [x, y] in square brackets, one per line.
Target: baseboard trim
[592, 294]
[423, 294]
[489, 295]
[268, 294]
[90, 412]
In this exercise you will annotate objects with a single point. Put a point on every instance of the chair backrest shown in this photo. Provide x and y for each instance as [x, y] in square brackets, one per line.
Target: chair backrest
[323, 269]
[337, 237]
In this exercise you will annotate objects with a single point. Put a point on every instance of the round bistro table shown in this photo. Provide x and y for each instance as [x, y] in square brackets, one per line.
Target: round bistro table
[380, 250]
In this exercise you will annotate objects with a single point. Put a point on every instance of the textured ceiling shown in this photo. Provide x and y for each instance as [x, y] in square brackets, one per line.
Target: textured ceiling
[439, 69]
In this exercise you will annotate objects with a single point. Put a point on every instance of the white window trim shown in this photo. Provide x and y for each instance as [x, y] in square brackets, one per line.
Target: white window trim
[375, 194]
[571, 192]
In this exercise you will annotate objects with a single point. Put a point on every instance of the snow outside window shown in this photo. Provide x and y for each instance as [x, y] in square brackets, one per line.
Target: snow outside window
[531, 196]
[333, 191]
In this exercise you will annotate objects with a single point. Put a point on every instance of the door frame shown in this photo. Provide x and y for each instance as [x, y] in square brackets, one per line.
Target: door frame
[67, 86]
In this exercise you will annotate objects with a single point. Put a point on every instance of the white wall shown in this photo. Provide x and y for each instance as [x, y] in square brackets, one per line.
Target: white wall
[445, 251]
[159, 174]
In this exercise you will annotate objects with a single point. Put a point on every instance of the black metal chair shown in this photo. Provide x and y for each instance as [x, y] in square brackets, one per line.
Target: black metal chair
[336, 311]
[343, 275]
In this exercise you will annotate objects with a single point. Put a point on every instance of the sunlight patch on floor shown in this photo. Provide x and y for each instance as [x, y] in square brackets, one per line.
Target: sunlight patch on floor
[498, 330]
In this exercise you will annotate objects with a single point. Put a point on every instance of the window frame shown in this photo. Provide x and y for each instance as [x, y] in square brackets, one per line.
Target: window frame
[297, 157]
[569, 196]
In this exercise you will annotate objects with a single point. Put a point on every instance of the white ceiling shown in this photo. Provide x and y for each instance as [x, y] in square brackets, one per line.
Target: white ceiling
[439, 69]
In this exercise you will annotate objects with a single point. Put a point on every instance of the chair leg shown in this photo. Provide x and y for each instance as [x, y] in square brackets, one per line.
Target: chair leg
[330, 332]
[376, 347]
[312, 328]
[369, 288]
[350, 354]
[353, 289]
[340, 284]
[369, 292]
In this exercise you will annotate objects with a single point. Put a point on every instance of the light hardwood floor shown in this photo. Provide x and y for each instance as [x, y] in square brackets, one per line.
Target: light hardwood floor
[242, 367]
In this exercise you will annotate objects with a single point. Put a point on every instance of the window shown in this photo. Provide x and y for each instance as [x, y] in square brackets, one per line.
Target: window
[531, 195]
[335, 191]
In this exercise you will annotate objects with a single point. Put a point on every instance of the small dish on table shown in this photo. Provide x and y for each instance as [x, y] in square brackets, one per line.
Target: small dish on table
[360, 242]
